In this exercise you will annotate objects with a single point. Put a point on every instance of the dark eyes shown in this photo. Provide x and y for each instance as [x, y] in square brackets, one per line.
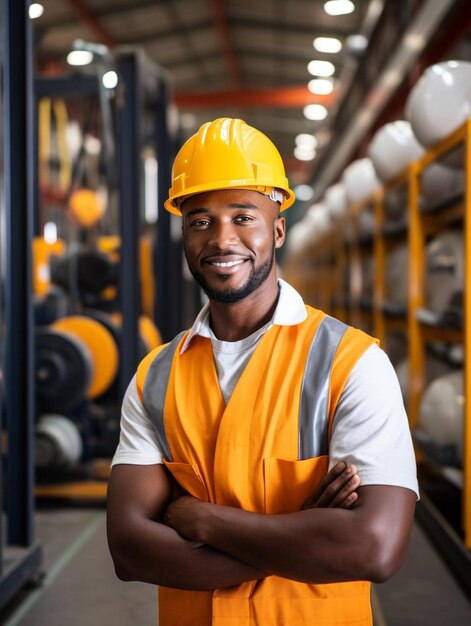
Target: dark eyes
[199, 223]
[205, 223]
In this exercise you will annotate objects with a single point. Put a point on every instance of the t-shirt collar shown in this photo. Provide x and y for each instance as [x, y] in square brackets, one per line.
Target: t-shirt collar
[289, 311]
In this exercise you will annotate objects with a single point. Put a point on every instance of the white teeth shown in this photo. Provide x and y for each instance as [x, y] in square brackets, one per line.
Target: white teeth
[228, 264]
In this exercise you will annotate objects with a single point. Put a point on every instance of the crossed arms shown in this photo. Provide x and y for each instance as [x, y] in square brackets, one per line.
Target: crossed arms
[344, 532]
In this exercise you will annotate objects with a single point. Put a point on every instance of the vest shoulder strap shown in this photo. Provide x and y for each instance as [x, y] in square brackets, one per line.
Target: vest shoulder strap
[153, 376]
[333, 352]
[353, 345]
[143, 368]
[313, 426]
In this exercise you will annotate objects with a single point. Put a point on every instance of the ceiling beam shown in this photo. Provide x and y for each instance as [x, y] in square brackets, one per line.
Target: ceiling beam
[282, 97]
[222, 28]
[84, 14]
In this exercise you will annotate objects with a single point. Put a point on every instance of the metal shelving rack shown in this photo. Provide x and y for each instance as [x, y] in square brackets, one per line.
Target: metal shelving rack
[20, 555]
[420, 226]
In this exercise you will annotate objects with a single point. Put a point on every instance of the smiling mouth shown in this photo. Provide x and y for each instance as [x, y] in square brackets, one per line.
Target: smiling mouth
[225, 263]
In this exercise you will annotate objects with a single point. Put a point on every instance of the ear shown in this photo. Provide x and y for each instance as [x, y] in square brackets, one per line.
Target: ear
[280, 231]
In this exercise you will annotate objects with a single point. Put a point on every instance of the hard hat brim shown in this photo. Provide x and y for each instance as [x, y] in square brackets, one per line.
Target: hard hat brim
[170, 205]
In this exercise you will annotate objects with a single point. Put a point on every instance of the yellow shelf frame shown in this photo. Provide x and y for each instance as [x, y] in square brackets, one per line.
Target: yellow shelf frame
[334, 258]
[421, 225]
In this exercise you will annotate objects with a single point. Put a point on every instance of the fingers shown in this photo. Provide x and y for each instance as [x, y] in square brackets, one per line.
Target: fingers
[337, 488]
[340, 487]
[346, 495]
[318, 498]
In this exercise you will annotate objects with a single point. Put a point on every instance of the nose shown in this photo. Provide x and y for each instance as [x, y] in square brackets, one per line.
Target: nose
[223, 235]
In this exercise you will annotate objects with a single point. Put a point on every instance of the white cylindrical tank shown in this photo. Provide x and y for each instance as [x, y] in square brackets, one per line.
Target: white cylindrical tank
[444, 269]
[360, 180]
[297, 237]
[435, 368]
[318, 220]
[439, 182]
[336, 201]
[442, 410]
[440, 102]
[393, 147]
[315, 223]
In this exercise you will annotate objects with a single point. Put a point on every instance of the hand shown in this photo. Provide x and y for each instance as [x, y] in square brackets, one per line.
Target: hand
[184, 514]
[337, 489]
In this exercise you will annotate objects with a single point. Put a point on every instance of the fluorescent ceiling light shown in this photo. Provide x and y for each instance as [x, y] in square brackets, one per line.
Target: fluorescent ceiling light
[35, 10]
[305, 139]
[304, 192]
[303, 154]
[357, 43]
[79, 57]
[110, 79]
[339, 7]
[321, 68]
[320, 86]
[330, 45]
[315, 112]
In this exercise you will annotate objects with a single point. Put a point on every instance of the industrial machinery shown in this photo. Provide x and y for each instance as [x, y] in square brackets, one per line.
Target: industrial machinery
[95, 261]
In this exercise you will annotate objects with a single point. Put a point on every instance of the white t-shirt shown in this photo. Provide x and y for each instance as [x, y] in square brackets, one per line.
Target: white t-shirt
[370, 427]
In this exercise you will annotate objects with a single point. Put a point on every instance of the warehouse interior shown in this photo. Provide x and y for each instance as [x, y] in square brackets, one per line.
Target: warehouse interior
[369, 104]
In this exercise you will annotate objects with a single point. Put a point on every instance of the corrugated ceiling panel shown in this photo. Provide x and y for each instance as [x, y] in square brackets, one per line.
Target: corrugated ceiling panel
[60, 40]
[190, 11]
[144, 20]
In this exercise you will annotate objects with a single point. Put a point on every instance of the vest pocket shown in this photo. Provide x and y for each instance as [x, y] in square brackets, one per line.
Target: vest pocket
[289, 483]
[188, 477]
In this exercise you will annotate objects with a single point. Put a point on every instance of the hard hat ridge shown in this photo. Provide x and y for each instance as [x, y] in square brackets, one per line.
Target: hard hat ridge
[228, 154]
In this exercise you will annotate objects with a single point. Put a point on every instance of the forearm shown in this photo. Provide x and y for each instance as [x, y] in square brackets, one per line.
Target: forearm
[153, 553]
[315, 545]
[312, 546]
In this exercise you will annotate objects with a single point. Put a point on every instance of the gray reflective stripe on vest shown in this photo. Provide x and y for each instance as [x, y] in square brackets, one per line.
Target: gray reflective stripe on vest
[313, 409]
[155, 390]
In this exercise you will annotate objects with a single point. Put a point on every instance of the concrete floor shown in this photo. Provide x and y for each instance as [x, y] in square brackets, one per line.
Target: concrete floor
[81, 589]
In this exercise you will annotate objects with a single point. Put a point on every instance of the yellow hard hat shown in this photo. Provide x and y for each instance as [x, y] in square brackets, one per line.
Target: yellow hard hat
[86, 206]
[228, 154]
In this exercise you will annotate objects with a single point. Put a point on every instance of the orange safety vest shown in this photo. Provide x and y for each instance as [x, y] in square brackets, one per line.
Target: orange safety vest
[274, 430]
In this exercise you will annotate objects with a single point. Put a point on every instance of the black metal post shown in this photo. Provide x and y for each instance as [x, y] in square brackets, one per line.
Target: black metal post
[18, 124]
[169, 253]
[20, 557]
[129, 155]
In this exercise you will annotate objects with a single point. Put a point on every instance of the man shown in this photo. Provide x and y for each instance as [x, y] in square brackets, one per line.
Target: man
[228, 430]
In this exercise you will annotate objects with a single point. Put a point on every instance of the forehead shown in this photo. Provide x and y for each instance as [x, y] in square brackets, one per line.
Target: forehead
[230, 198]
